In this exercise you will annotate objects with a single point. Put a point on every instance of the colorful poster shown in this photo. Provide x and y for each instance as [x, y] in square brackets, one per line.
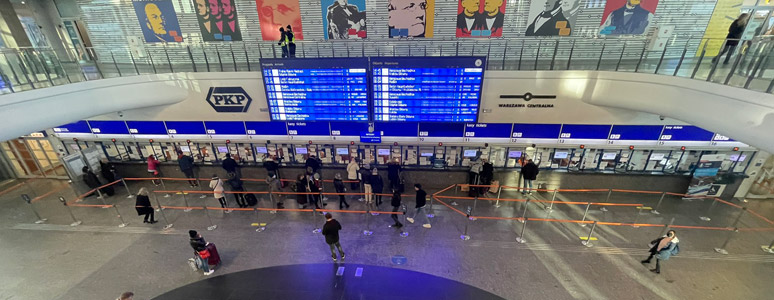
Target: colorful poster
[480, 18]
[217, 20]
[552, 17]
[344, 19]
[704, 176]
[726, 11]
[273, 14]
[410, 18]
[158, 21]
[627, 16]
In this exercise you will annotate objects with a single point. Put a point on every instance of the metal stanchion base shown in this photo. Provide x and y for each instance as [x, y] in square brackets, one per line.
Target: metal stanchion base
[130, 196]
[213, 227]
[76, 223]
[767, 249]
[187, 209]
[431, 215]
[520, 240]
[635, 226]
[260, 229]
[167, 196]
[122, 225]
[464, 237]
[41, 221]
[361, 199]
[405, 234]
[721, 251]
[272, 211]
[367, 232]
[472, 218]
[655, 212]
[454, 203]
[202, 196]
[587, 244]
[374, 214]
[316, 230]
[602, 209]
[705, 219]
[521, 221]
[168, 226]
[549, 209]
[583, 225]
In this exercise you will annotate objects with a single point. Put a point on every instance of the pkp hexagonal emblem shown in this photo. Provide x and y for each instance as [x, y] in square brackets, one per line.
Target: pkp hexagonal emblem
[229, 99]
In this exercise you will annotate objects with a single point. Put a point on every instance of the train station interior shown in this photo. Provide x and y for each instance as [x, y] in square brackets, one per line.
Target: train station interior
[386, 149]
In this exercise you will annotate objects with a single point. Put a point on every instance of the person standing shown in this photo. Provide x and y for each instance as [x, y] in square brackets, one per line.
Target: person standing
[283, 42]
[393, 174]
[331, 232]
[271, 166]
[230, 165]
[200, 247]
[301, 187]
[186, 164]
[421, 201]
[396, 199]
[217, 191]
[275, 186]
[237, 185]
[663, 248]
[143, 206]
[377, 186]
[529, 173]
[352, 169]
[735, 32]
[313, 186]
[90, 179]
[487, 174]
[153, 169]
[340, 188]
[291, 40]
[365, 177]
[313, 163]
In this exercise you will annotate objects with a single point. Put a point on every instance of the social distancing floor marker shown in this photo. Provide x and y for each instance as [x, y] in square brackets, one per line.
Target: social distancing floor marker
[645, 207]
[587, 238]
[179, 193]
[340, 271]
[258, 224]
[359, 272]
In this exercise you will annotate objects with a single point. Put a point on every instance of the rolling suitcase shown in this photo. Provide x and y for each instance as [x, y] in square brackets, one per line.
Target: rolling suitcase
[214, 256]
[251, 200]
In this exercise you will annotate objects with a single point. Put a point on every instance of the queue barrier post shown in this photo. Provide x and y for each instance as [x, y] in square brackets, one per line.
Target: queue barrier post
[553, 198]
[367, 231]
[70, 210]
[585, 213]
[164, 186]
[769, 249]
[465, 235]
[314, 212]
[655, 209]
[520, 239]
[475, 201]
[706, 216]
[212, 225]
[27, 199]
[404, 233]
[432, 212]
[273, 204]
[587, 242]
[499, 190]
[185, 199]
[164, 215]
[637, 216]
[261, 226]
[123, 224]
[722, 249]
[362, 188]
[128, 192]
[607, 200]
[102, 198]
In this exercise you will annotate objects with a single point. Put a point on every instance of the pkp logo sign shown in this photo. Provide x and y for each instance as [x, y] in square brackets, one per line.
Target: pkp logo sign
[229, 99]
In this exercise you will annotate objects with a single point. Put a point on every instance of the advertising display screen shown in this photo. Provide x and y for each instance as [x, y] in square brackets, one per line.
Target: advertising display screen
[383, 152]
[609, 156]
[223, 149]
[329, 89]
[301, 151]
[560, 155]
[427, 89]
[342, 151]
[469, 153]
[261, 150]
[514, 154]
[426, 154]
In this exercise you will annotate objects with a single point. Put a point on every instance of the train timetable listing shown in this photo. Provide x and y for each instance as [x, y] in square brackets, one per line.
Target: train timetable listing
[427, 89]
[316, 89]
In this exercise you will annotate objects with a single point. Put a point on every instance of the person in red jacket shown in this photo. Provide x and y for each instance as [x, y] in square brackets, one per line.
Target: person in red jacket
[153, 168]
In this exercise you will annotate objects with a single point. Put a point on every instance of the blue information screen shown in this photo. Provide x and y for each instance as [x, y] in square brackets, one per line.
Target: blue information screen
[225, 127]
[589, 132]
[484, 130]
[441, 130]
[347, 128]
[536, 131]
[427, 89]
[266, 128]
[309, 128]
[685, 133]
[329, 89]
[147, 127]
[185, 127]
[108, 127]
[636, 132]
[77, 127]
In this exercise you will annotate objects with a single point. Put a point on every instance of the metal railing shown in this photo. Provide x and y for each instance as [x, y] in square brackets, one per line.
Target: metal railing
[749, 67]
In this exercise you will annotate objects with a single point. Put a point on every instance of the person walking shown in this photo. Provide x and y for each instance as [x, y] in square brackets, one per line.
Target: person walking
[186, 164]
[230, 165]
[301, 187]
[338, 184]
[331, 232]
[396, 199]
[153, 169]
[237, 185]
[393, 174]
[421, 201]
[143, 206]
[663, 248]
[283, 42]
[735, 32]
[217, 191]
[291, 41]
[200, 248]
[529, 173]
[377, 186]
[275, 186]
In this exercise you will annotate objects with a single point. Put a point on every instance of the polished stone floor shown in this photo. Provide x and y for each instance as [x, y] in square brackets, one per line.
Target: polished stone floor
[99, 260]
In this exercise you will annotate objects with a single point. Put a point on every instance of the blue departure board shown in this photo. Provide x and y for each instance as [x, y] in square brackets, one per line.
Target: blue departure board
[328, 89]
[491, 130]
[427, 89]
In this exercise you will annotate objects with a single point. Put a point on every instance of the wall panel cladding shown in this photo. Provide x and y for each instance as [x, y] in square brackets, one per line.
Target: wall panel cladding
[110, 22]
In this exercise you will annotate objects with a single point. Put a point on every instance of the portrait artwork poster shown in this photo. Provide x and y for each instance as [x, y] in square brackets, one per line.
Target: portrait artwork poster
[480, 18]
[158, 21]
[410, 18]
[273, 14]
[552, 17]
[627, 17]
[217, 20]
[344, 19]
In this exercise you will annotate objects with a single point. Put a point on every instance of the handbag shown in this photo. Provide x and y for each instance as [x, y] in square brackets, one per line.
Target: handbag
[204, 254]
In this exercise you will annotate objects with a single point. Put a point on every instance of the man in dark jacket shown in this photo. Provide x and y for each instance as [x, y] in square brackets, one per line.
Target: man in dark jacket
[91, 179]
[314, 163]
[735, 32]
[393, 174]
[529, 173]
[421, 201]
[198, 244]
[230, 165]
[331, 232]
[487, 174]
[236, 184]
[395, 207]
[186, 164]
[271, 166]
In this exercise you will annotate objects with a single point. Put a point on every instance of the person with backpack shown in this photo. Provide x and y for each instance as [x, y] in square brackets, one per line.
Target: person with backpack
[331, 232]
[186, 164]
[340, 188]
[421, 201]
[237, 185]
[663, 248]
[200, 248]
[529, 173]
[217, 191]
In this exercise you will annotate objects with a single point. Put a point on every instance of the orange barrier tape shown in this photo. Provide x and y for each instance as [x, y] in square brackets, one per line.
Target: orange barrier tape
[616, 204]
[702, 227]
[230, 208]
[449, 206]
[676, 194]
[760, 217]
[446, 189]
[109, 184]
[519, 189]
[16, 186]
[496, 218]
[285, 209]
[89, 205]
[727, 203]
[756, 229]
[82, 196]
[38, 198]
[542, 201]
[559, 221]
[630, 224]
[636, 191]
[181, 207]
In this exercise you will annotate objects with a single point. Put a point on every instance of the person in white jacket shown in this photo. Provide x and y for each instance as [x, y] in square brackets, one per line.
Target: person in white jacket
[352, 172]
[217, 188]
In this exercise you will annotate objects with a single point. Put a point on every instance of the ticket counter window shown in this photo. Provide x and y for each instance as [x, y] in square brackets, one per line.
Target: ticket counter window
[609, 160]
[689, 161]
[561, 158]
[426, 156]
[497, 156]
[383, 155]
[515, 157]
[639, 160]
[658, 161]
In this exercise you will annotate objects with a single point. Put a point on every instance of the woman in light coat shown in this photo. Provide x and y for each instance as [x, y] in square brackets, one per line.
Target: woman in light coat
[217, 188]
